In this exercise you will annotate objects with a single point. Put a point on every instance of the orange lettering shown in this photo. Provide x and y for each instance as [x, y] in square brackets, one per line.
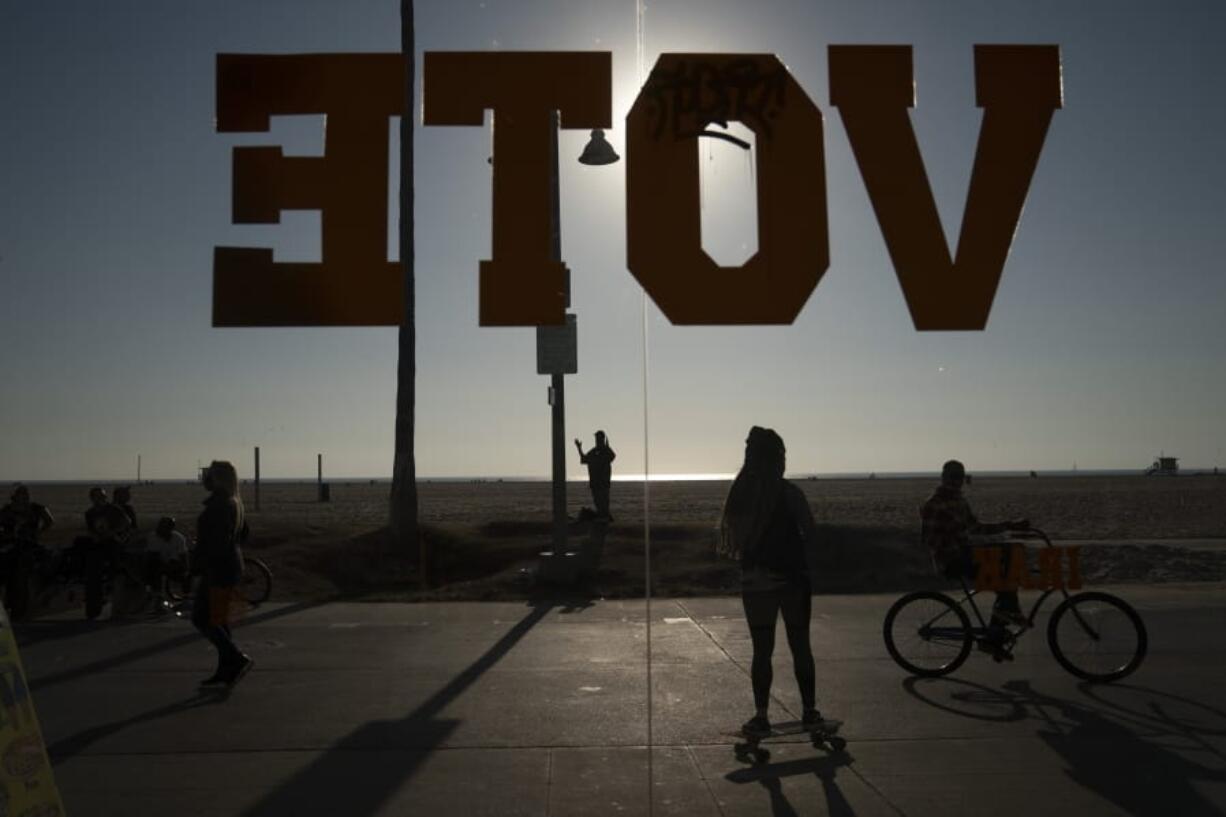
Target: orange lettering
[1049, 568]
[988, 568]
[1074, 567]
[686, 93]
[355, 284]
[1019, 87]
[523, 284]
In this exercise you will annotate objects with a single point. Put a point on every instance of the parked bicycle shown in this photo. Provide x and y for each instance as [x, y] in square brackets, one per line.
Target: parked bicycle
[1094, 635]
[68, 570]
[255, 586]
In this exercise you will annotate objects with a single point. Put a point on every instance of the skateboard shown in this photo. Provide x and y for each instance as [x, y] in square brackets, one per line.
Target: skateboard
[824, 734]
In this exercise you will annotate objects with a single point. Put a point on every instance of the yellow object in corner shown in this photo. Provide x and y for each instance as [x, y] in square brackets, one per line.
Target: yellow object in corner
[27, 786]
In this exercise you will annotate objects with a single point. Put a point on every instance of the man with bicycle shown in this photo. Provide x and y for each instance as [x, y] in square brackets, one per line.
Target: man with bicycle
[948, 524]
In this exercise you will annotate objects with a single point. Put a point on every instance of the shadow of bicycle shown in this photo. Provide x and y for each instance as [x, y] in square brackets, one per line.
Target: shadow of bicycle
[1145, 759]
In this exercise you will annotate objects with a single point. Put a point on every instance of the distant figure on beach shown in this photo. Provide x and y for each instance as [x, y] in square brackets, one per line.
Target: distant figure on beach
[122, 498]
[768, 527]
[106, 521]
[109, 528]
[599, 462]
[21, 524]
[947, 525]
[218, 558]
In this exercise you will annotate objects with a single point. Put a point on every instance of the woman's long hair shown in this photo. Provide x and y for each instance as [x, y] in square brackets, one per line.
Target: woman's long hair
[224, 480]
[754, 493]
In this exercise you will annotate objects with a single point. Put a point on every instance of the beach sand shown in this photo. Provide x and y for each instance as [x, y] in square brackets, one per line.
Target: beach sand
[484, 536]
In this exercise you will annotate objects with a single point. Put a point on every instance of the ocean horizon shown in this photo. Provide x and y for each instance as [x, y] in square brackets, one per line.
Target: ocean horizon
[578, 476]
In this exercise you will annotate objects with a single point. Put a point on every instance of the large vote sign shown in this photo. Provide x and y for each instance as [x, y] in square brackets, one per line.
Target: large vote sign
[523, 284]
[27, 783]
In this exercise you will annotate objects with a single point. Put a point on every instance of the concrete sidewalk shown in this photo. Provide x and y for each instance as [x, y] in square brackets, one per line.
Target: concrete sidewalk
[1189, 544]
[505, 708]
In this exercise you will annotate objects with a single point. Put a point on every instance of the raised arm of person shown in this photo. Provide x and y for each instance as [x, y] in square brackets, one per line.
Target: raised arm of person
[45, 519]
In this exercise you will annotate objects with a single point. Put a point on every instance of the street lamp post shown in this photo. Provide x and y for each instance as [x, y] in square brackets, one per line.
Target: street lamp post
[557, 351]
[557, 377]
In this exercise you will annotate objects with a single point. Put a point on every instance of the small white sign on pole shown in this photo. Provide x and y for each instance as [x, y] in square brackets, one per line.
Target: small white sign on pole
[557, 348]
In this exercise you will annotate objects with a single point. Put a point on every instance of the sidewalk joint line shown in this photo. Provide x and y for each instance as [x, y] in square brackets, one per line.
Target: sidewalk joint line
[728, 655]
[871, 787]
[689, 750]
[548, 781]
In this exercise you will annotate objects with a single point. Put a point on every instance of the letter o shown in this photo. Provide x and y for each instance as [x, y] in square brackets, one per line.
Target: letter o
[685, 93]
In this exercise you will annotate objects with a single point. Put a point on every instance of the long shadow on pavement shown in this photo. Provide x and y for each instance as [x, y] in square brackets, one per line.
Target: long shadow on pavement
[63, 749]
[351, 779]
[1108, 749]
[110, 662]
[40, 632]
[768, 776]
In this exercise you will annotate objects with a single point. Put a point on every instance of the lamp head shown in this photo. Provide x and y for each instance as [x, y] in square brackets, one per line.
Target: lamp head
[598, 151]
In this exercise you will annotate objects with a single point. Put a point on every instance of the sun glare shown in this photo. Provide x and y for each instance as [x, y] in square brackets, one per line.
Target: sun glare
[708, 477]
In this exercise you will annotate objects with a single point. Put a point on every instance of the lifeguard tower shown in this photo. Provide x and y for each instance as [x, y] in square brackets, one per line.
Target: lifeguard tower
[1163, 466]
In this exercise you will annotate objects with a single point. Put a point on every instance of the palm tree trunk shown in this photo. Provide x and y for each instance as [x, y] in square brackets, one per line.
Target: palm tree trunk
[403, 517]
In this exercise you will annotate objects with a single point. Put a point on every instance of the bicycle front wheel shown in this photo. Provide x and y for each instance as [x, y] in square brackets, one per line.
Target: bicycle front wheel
[927, 634]
[256, 585]
[178, 587]
[1097, 636]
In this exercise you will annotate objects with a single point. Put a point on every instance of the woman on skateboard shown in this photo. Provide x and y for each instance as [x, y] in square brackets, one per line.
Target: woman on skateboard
[767, 526]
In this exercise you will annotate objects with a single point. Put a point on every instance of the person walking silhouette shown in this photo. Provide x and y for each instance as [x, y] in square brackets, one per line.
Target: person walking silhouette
[220, 530]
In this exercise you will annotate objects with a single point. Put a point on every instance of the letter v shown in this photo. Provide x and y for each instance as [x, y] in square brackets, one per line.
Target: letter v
[1018, 86]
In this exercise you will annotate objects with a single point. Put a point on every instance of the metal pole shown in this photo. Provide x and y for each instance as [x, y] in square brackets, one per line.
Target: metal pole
[138, 469]
[640, 54]
[559, 463]
[319, 467]
[557, 381]
[257, 477]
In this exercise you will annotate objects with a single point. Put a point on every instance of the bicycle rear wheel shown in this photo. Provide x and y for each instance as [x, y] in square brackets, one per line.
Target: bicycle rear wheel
[927, 634]
[1097, 636]
[256, 585]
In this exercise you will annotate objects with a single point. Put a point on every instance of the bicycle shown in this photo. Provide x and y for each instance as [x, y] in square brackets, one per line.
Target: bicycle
[90, 568]
[1095, 636]
[255, 586]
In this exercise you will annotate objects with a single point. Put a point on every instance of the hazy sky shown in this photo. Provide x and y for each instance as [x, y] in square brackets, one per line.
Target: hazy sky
[1105, 344]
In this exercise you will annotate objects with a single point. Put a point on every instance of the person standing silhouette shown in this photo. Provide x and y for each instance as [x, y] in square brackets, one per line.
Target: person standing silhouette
[219, 531]
[767, 526]
[599, 462]
[101, 551]
[21, 524]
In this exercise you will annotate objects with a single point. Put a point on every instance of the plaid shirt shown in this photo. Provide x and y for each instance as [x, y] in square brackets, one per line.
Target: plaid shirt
[948, 522]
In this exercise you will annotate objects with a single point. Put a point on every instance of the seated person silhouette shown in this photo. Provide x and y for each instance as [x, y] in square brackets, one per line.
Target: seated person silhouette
[948, 524]
[166, 555]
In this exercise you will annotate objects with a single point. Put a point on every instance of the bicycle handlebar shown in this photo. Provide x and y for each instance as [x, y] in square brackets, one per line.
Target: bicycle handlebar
[1031, 533]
